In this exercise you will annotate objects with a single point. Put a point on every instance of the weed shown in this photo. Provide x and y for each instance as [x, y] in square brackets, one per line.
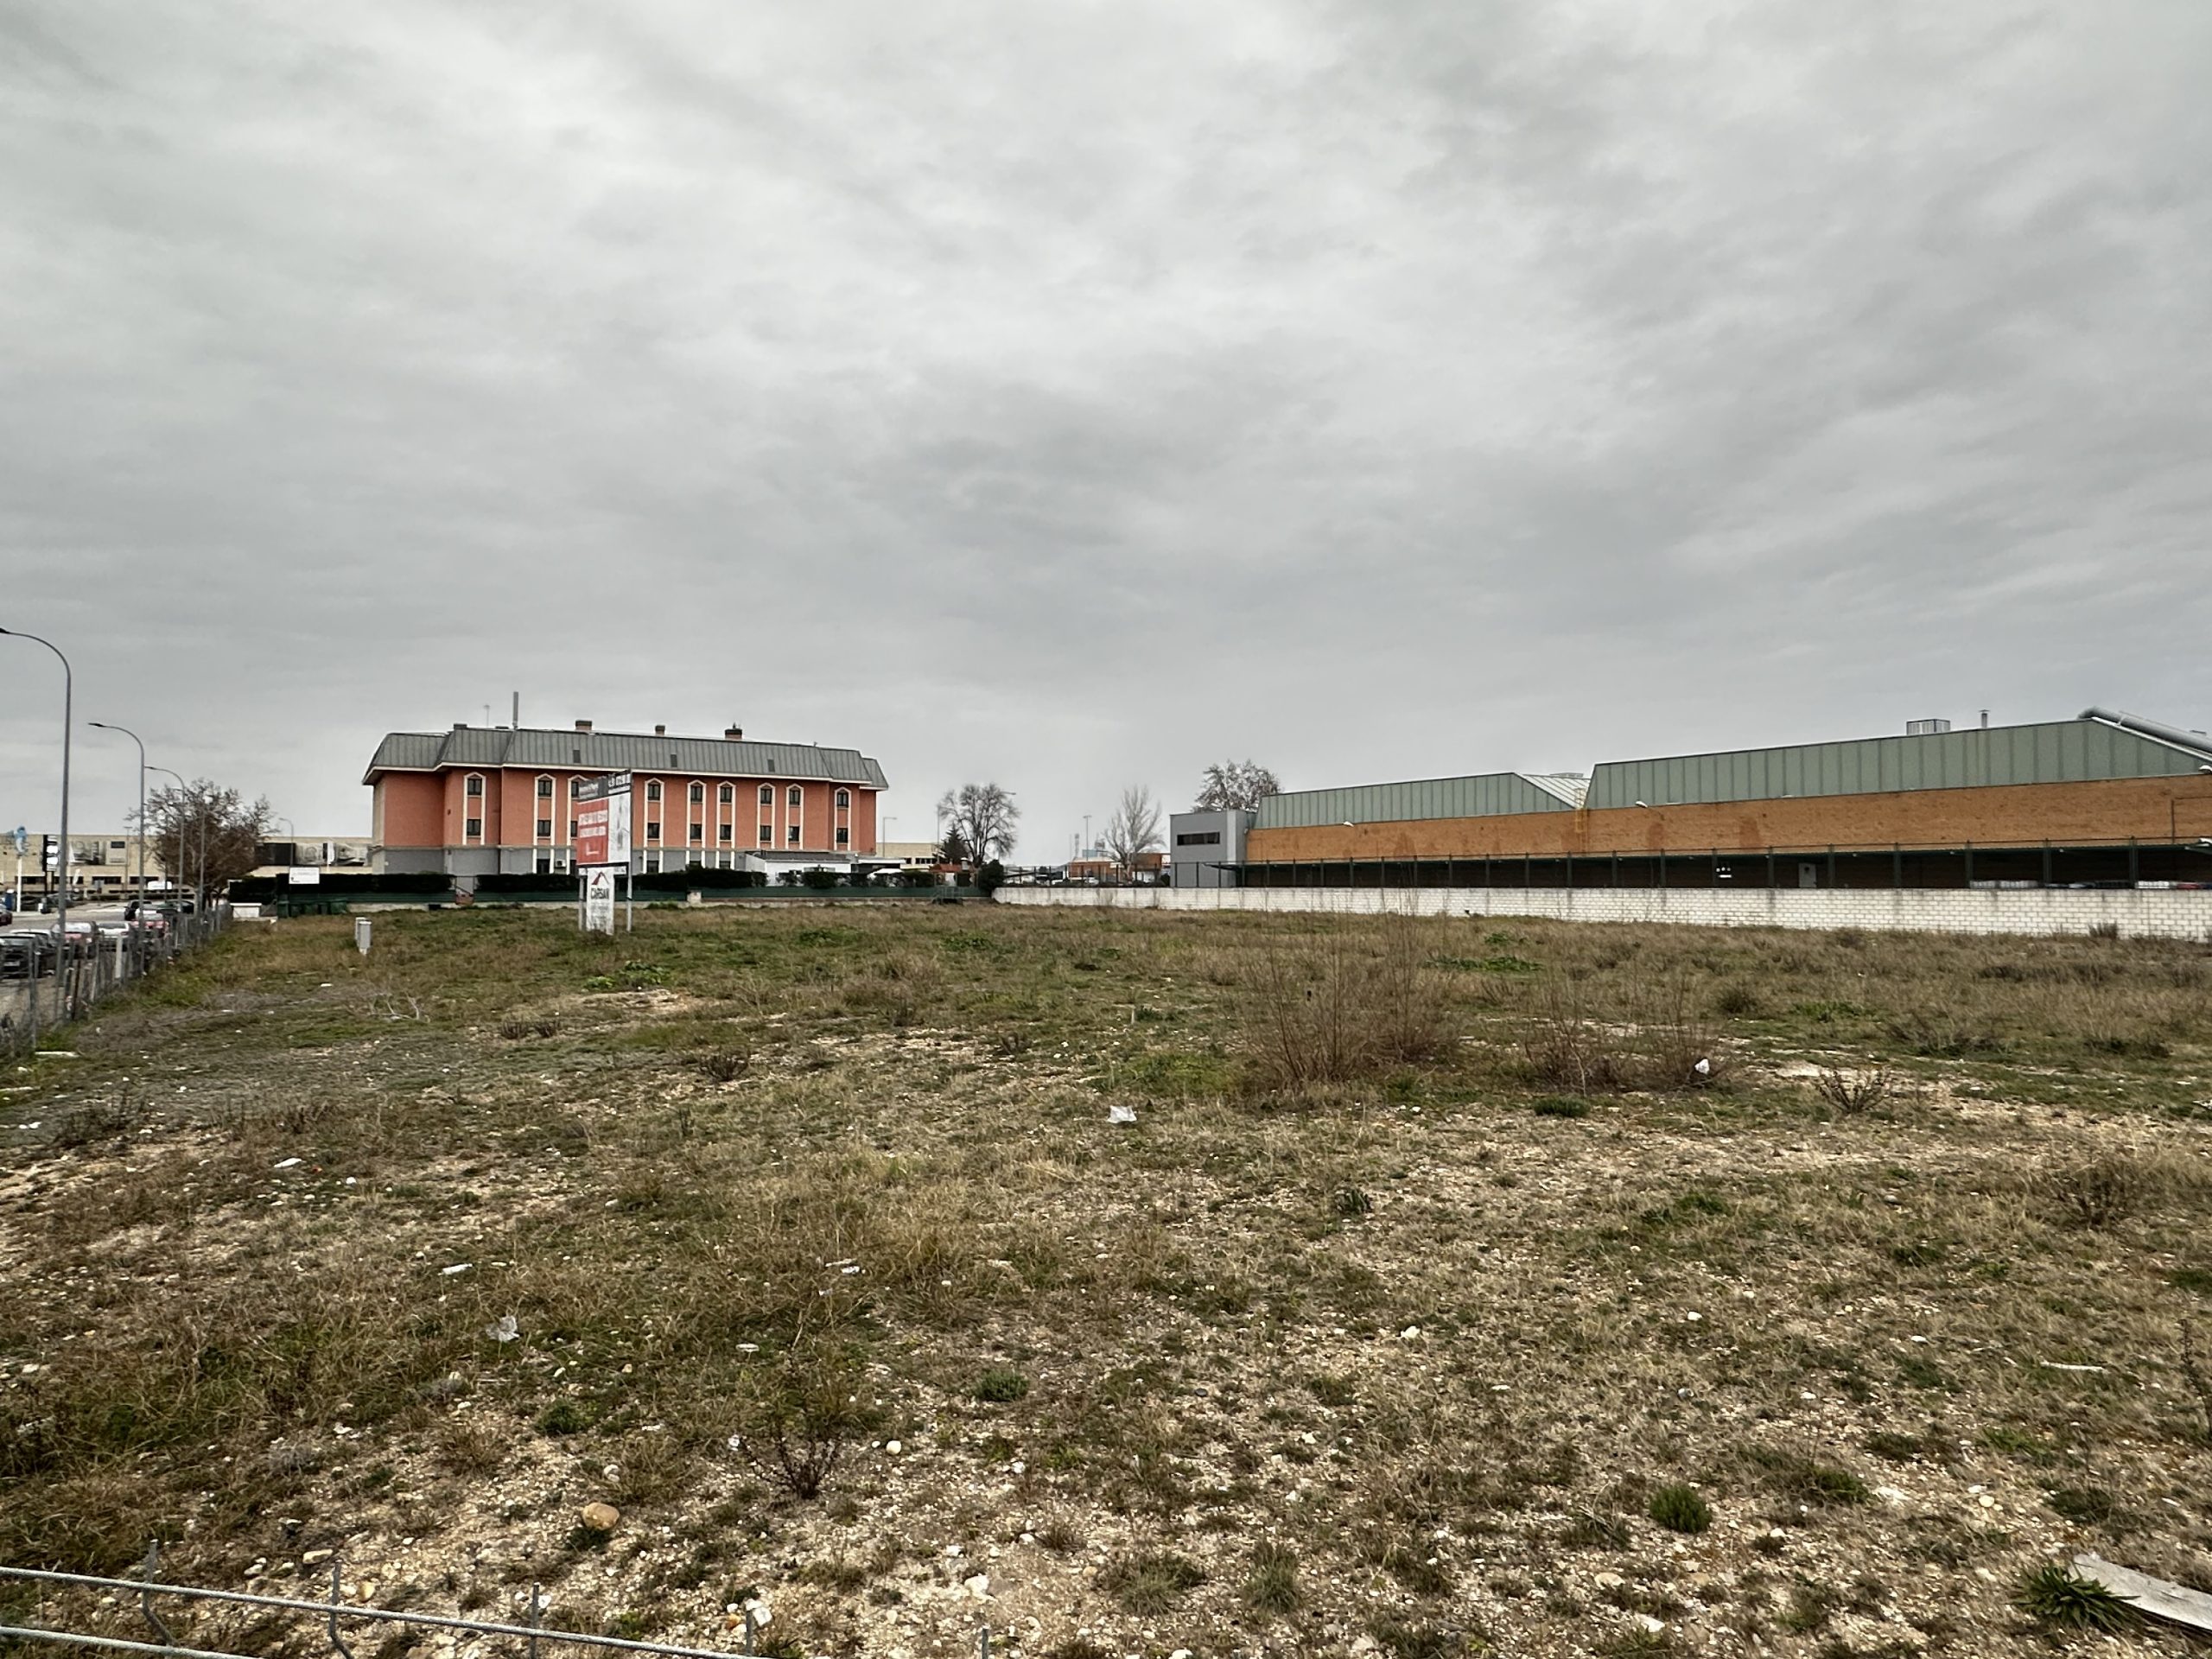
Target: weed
[1680, 1508]
[1564, 1048]
[2194, 1373]
[1560, 1106]
[515, 1030]
[1591, 1530]
[797, 1416]
[1326, 1011]
[2097, 1191]
[1001, 1386]
[723, 1065]
[1849, 1093]
[1408, 1638]
[1271, 1587]
[1149, 1584]
[2054, 1594]
[564, 1417]
[1350, 1203]
[1803, 1477]
[1737, 1000]
[2083, 1505]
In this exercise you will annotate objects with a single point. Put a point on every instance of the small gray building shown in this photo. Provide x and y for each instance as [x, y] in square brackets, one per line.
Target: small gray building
[1204, 848]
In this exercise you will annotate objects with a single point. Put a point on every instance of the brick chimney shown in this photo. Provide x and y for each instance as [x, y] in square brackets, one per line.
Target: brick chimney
[733, 734]
[660, 731]
[583, 725]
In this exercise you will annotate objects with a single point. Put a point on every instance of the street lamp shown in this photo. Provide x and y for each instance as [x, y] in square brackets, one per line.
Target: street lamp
[67, 691]
[181, 787]
[107, 725]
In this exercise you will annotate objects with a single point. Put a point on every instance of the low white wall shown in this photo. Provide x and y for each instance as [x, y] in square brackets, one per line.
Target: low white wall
[2139, 914]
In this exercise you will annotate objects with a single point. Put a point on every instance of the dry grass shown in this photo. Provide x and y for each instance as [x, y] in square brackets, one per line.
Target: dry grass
[1394, 1270]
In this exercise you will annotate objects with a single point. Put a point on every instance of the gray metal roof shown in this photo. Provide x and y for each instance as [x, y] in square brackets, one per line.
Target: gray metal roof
[2062, 751]
[702, 757]
[1492, 794]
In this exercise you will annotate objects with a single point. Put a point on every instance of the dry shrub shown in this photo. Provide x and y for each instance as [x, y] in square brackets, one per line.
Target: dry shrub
[650, 1469]
[2099, 1191]
[723, 1065]
[1657, 1041]
[1329, 1009]
[1564, 1048]
[797, 1414]
[1850, 1093]
[470, 1445]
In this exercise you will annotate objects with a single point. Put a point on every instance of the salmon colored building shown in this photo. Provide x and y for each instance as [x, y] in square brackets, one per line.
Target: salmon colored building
[484, 800]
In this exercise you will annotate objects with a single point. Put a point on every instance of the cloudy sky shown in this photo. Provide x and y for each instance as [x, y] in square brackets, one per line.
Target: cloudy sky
[1068, 395]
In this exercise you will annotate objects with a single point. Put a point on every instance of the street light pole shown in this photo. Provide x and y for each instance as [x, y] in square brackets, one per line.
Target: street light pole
[67, 718]
[109, 726]
[177, 874]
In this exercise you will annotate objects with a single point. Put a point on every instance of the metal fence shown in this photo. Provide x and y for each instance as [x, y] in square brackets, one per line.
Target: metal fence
[48, 982]
[330, 1620]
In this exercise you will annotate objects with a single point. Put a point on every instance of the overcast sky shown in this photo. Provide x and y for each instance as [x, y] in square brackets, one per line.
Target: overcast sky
[1068, 394]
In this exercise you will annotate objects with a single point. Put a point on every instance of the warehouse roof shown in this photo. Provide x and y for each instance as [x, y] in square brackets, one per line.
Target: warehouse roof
[1491, 794]
[705, 757]
[2097, 746]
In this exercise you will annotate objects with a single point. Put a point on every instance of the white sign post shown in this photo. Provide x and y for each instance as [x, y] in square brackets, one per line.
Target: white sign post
[599, 899]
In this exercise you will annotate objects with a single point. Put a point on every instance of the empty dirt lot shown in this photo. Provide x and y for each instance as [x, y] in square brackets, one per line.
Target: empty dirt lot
[1456, 1286]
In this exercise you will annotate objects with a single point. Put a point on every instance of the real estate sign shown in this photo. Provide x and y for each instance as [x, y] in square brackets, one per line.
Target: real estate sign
[602, 806]
[599, 900]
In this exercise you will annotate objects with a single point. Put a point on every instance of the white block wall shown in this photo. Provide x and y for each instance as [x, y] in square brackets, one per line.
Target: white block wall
[2170, 914]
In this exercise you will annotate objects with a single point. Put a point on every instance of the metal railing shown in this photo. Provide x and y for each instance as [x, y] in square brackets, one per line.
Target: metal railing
[327, 1614]
[48, 982]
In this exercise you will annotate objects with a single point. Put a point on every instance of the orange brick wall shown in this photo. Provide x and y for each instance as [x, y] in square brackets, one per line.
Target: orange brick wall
[2156, 810]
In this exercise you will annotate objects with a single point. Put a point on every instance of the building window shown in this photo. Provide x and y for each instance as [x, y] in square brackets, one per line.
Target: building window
[475, 829]
[545, 829]
[698, 834]
[544, 864]
[844, 799]
[844, 836]
[726, 834]
[727, 794]
[768, 796]
[474, 787]
[698, 792]
[572, 829]
[652, 789]
[794, 797]
[545, 789]
[767, 837]
[652, 828]
[791, 835]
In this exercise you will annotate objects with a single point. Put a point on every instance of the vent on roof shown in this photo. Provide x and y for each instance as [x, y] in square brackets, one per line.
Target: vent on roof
[733, 734]
[660, 731]
[583, 725]
[460, 725]
[1925, 727]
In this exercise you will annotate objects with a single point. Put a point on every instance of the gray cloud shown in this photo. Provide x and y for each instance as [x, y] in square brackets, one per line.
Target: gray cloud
[1070, 396]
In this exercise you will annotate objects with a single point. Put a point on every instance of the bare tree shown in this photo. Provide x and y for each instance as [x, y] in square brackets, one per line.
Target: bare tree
[1235, 786]
[1133, 829]
[213, 834]
[984, 817]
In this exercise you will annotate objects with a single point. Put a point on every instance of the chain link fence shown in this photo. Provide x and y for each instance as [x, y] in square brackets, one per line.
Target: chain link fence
[48, 981]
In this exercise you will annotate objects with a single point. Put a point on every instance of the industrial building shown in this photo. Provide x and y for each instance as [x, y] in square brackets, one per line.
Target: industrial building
[2106, 799]
[501, 800]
